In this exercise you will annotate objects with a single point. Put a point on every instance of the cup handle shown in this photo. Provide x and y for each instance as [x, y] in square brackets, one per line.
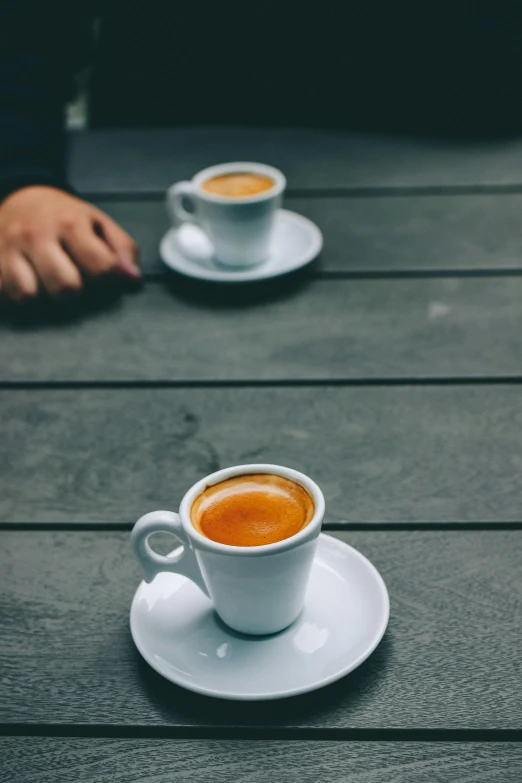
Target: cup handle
[175, 195]
[183, 561]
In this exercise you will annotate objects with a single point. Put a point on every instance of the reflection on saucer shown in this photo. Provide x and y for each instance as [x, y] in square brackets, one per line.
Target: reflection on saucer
[194, 244]
[310, 638]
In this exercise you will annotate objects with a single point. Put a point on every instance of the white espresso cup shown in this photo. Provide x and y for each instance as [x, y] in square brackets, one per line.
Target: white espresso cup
[254, 589]
[239, 228]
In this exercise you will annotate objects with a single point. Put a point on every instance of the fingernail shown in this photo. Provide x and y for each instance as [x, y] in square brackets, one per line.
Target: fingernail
[128, 266]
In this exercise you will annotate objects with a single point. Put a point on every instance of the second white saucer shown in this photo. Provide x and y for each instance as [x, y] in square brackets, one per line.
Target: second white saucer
[346, 613]
[295, 242]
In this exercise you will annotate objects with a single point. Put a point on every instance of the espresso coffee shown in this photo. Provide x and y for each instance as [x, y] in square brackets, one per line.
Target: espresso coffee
[238, 185]
[252, 510]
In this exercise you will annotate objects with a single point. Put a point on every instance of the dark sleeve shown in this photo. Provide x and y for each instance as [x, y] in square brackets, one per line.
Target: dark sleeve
[42, 45]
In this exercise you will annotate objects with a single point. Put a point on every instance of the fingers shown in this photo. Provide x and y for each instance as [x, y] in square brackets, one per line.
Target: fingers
[18, 280]
[59, 276]
[53, 241]
[92, 254]
[121, 243]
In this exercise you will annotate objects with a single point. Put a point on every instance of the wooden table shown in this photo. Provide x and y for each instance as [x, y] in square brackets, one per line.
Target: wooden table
[390, 372]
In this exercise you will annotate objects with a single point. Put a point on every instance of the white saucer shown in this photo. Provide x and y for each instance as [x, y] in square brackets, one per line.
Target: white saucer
[346, 613]
[296, 241]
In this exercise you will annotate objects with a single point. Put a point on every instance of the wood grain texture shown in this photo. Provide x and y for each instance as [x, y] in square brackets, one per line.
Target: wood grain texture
[134, 161]
[323, 329]
[56, 760]
[382, 454]
[376, 235]
[450, 658]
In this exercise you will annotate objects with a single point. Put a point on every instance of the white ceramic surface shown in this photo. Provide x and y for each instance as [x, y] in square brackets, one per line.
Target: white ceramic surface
[345, 616]
[254, 589]
[295, 242]
[238, 228]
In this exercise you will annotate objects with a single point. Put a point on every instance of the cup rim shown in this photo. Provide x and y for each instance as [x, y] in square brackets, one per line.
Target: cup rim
[242, 166]
[309, 532]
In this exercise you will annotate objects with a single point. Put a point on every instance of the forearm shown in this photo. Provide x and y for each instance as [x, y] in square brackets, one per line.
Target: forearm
[32, 144]
[37, 65]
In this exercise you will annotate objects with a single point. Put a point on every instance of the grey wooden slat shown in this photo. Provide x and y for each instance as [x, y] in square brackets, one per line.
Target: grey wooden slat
[354, 329]
[86, 760]
[450, 658]
[383, 454]
[134, 161]
[417, 234]
[363, 235]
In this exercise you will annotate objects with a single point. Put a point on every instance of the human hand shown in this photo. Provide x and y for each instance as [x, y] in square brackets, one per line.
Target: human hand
[51, 240]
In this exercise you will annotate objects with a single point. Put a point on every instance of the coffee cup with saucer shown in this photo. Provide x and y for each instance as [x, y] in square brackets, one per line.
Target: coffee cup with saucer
[230, 235]
[254, 622]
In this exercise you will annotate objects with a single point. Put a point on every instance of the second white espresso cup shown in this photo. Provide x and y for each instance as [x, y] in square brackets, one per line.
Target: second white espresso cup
[239, 228]
[254, 589]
